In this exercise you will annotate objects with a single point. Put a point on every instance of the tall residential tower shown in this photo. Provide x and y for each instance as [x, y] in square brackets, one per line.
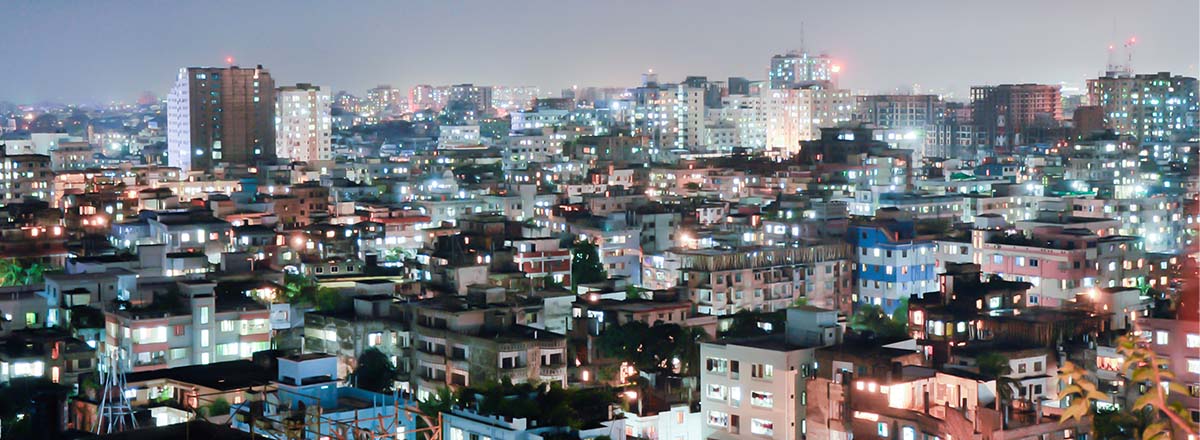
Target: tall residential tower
[220, 115]
[303, 124]
[1153, 108]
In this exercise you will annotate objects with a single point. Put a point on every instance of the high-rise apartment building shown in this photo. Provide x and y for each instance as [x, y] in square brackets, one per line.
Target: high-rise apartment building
[798, 114]
[383, 98]
[1153, 108]
[421, 97]
[303, 123]
[470, 97]
[900, 111]
[220, 115]
[685, 105]
[1003, 113]
[747, 114]
[25, 176]
[800, 69]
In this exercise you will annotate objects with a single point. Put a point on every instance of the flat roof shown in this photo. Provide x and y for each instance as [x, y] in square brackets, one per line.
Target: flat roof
[221, 376]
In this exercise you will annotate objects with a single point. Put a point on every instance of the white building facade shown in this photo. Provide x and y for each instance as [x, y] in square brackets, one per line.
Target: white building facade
[303, 123]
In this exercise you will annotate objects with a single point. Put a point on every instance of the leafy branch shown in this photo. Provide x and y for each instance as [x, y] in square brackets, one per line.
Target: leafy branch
[1143, 366]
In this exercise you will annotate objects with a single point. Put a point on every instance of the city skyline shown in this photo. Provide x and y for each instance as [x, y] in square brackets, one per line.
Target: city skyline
[617, 220]
[492, 44]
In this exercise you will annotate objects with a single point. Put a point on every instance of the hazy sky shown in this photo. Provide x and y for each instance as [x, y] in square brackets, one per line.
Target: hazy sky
[73, 51]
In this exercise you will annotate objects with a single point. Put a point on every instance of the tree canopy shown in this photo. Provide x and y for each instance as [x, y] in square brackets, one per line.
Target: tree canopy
[870, 317]
[748, 324]
[996, 365]
[373, 372]
[14, 272]
[651, 348]
[585, 263]
[549, 405]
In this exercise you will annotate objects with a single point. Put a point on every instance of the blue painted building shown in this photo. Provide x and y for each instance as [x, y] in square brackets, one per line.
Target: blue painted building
[891, 263]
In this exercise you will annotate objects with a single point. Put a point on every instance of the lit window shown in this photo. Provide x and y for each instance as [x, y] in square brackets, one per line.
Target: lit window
[717, 418]
[763, 399]
[762, 427]
[1162, 338]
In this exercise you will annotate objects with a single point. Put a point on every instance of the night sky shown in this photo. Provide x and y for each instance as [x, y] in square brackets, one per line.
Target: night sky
[93, 51]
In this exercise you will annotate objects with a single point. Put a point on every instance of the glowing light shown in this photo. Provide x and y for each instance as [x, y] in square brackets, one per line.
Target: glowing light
[228, 60]
[866, 416]
[836, 68]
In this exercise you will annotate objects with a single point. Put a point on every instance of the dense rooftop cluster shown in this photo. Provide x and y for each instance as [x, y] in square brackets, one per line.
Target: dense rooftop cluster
[703, 259]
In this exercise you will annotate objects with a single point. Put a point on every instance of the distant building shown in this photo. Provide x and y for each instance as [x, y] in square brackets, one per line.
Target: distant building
[24, 175]
[900, 111]
[382, 99]
[1003, 113]
[422, 97]
[470, 97]
[800, 68]
[1152, 108]
[303, 124]
[220, 115]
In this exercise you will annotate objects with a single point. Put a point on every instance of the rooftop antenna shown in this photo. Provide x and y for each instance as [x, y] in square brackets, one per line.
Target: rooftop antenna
[1129, 45]
[802, 48]
[114, 406]
[1111, 64]
[1110, 67]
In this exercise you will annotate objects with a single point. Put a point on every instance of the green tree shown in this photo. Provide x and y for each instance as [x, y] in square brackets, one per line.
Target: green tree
[623, 341]
[1141, 366]
[547, 405]
[689, 350]
[299, 289]
[633, 292]
[996, 365]
[10, 272]
[329, 299]
[585, 264]
[655, 347]
[441, 401]
[218, 407]
[373, 372]
[33, 273]
[18, 399]
[748, 323]
[398, 254]
[871, 317]
[1113, 424]
[549, 283]
[14, 272]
